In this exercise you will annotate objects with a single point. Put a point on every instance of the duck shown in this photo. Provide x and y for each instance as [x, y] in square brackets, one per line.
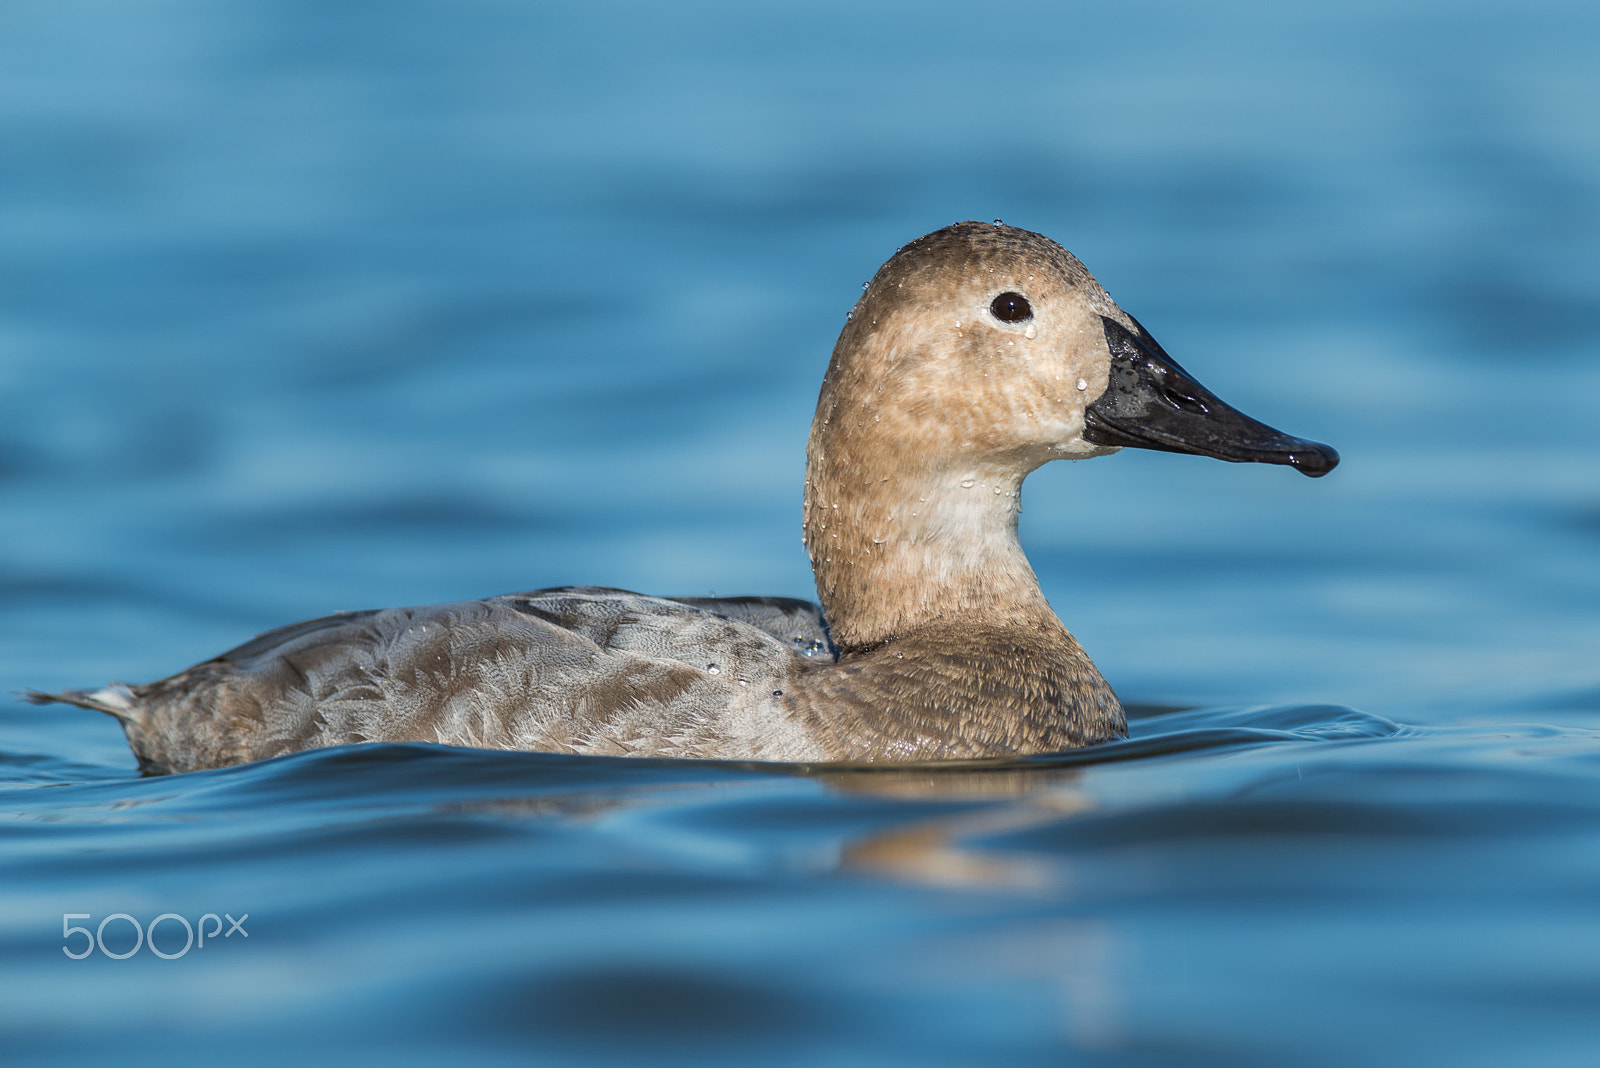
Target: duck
[975, 355]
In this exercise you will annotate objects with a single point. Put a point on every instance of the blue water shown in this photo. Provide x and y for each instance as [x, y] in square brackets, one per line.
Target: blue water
[307, 307]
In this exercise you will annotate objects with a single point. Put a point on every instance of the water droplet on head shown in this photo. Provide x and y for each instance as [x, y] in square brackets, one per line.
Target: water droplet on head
[713, 669]
[865, 286]
[1031, 333]
[1082, 385]
[968, 483]
[997, 222]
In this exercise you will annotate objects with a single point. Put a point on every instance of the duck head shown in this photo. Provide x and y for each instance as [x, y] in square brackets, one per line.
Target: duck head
[990, 340]
[976, 354]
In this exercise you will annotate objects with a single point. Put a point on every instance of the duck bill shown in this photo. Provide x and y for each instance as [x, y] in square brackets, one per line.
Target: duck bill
[1152, 403]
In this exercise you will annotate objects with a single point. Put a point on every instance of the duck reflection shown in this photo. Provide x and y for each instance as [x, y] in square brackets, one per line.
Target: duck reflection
[938, 851]
[920, 824]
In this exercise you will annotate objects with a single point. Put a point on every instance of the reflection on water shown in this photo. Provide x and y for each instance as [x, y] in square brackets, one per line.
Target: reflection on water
[318, 307]
[934, 853]
[1114, 899]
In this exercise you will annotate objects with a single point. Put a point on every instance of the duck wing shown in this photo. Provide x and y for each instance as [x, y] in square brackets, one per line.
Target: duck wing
[790, 619]
[574, 669]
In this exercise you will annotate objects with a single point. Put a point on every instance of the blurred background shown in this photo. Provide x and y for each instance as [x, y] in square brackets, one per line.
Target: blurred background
[310, 306]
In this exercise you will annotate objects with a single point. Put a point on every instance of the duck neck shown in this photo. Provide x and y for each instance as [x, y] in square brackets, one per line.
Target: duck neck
[894, 551]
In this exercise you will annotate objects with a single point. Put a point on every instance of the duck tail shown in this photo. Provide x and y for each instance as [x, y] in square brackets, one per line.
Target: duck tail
[116, 700]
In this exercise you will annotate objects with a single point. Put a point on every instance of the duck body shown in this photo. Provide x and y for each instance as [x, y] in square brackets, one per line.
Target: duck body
[976, 354]
[598, 671]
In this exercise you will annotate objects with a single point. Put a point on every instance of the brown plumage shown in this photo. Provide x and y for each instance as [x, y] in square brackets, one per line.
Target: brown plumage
[976, 354]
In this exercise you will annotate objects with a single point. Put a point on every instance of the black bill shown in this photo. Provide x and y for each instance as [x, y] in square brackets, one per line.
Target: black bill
[1152, 403]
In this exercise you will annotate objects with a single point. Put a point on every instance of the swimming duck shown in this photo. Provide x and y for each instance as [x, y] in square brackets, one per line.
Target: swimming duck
[976, 354]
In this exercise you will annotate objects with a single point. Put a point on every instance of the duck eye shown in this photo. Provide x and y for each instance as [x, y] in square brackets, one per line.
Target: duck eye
[1011, 307]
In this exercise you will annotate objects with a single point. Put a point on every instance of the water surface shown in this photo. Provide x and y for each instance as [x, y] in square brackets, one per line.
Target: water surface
[307, 308]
